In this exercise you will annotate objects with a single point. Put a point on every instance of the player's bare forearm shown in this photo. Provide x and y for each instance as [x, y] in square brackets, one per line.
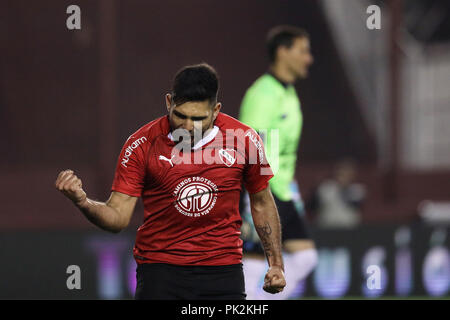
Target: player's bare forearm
[112, 215]
[102, 215]
[267, 225]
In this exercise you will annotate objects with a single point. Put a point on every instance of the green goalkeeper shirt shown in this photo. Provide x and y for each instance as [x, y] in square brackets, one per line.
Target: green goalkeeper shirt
[270, 104]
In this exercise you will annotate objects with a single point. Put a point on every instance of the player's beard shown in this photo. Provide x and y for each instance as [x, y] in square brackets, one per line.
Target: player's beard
[199, 133]
[185, 139]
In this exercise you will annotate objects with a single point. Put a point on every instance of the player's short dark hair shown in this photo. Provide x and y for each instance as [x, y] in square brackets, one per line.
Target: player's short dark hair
[195, 83]
[283, 35]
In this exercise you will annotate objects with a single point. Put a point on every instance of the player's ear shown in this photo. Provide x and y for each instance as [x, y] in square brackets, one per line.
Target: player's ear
[168, 101]
[281, 53]
[216, 110]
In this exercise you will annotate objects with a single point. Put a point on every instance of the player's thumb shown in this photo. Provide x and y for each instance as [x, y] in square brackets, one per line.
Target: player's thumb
[277, 281]
[78, 193]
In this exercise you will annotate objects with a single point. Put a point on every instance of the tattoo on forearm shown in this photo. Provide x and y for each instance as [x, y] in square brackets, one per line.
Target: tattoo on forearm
[264, 232]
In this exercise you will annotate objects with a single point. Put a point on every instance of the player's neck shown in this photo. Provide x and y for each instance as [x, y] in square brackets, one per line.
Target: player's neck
[282, 73]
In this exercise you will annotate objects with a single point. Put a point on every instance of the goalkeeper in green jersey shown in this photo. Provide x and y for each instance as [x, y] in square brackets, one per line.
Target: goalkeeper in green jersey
[271, 107]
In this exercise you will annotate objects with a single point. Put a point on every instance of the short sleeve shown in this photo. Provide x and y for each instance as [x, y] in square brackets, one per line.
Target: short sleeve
[257, 172]
[130, 170]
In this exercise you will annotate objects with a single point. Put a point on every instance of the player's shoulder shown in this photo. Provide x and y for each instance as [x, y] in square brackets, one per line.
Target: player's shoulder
[152, 129]
[265, 84]
[225, 121]
[264, 89]
[241, 130]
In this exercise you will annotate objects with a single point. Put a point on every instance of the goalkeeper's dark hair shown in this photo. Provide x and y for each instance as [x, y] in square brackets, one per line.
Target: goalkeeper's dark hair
[195, 83]
[282, 36]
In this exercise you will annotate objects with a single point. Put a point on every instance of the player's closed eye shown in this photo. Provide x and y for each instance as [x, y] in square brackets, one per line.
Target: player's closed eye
[182, 116]
[179, 115]
[198, 118]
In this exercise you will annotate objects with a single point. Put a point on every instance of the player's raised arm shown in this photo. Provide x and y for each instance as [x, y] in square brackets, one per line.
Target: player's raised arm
[112, 215]
[267, 224]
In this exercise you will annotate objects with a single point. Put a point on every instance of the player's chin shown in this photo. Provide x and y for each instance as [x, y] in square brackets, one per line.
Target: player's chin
[181, 145]
[303, 74]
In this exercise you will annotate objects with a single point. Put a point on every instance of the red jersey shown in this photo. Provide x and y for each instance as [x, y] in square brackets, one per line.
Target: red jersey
[191, 199]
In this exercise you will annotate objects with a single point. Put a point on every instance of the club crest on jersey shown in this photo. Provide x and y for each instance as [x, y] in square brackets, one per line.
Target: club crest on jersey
[195, 197]
[227, 156]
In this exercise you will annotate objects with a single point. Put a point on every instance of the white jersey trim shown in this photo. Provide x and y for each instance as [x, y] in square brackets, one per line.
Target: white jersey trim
[206, 139]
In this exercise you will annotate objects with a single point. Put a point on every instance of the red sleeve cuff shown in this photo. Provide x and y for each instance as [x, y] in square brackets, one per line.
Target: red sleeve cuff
[258, 187]
[132, 193]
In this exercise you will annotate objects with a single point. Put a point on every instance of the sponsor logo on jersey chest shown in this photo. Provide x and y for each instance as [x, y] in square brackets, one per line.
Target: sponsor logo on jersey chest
[195, 197]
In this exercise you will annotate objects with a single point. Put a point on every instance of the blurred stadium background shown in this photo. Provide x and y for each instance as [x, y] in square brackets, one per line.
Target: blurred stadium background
[381, 98]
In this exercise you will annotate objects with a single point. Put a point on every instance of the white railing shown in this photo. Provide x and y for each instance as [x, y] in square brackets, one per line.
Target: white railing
[364, 55]
[426, 107]
[424, 142]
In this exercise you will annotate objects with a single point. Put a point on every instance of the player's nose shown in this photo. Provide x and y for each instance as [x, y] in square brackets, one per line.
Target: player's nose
[188, 125]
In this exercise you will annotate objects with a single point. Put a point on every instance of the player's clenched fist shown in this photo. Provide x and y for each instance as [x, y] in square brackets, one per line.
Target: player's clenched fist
[274, 280]
[71, 186]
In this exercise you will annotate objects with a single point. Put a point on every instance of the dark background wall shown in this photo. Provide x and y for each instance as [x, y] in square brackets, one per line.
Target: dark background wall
[69, 99]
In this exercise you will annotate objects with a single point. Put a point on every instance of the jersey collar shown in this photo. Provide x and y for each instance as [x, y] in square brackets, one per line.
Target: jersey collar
[206, 139]
[284, 84]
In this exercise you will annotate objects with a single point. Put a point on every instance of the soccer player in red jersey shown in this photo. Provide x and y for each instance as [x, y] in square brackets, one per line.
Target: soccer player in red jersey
[188, 167]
